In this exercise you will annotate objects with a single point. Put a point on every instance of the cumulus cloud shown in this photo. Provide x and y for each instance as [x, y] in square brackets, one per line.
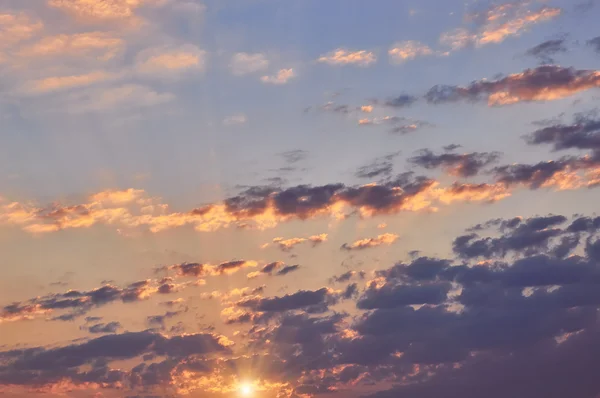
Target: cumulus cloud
[247, 63]
[343, 56]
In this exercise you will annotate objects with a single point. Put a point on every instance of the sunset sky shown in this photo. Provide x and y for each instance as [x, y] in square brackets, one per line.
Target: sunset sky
[301, 198]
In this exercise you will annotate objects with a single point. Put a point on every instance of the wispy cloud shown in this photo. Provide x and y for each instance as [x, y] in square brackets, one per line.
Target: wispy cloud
[498, 23]
[343, 56]
[169, 61]
[246, 63]
[236, 119]
[361, 244]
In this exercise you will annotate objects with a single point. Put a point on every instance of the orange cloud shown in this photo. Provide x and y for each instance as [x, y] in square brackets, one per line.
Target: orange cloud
[282, 77]
[385, 239]
[15, 28]
[101, 9]
[288, 244]
[165, 60]
[56, 83]
[347, 57]
[408, 50]
[499, 22]
[105, 45]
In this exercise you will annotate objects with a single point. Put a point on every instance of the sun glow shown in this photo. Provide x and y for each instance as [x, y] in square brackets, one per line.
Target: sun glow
[246, 390]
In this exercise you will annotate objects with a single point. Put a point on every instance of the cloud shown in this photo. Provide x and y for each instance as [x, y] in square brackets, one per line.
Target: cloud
[102, 46]
[594, 44]
[57, 83]
[408, 50]
[99, 328]
[101, 10]
[347, 276]
[77, 302]
[463, 165]
[15, 28]
[384, 239]
[392, 296]
[399, 124]
[168, 61]
[246, 63]
[236, 119]
[544, 83]
[123, 97]
[299, 300]
[545, 51]
[529, 237]
[498, 23]
[401, 101]
[295, 156]
[582, 134]
[282, 77]
[263, 207]
[289, 244]
[288, 269]
[343, 56]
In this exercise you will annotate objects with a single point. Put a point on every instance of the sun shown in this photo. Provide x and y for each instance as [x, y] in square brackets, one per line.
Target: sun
[246, 390]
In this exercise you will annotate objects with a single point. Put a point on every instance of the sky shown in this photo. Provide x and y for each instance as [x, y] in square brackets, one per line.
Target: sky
[294, 199]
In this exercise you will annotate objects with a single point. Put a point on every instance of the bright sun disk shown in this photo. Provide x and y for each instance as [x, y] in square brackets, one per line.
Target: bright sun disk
[246, 390]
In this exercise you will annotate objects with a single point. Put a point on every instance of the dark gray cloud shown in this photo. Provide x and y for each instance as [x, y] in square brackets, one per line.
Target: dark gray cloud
[294, 156]
[461, 165]
[78, 302]
[42, 366]
[528, 237]
[299, 300]
[347, 276]
[583, 134]
[594, 44]
[110, 327]
[545, 52]
[381, 167]
[288, 269]
[538, 84]
[393, 295]
[401, 101]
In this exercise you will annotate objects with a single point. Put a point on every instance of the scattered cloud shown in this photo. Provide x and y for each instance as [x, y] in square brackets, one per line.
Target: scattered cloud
[361, 244]
[498, 23]
[544, 83]
[594, 44]
[343, 56]
[168, 61]
[546, 51]
[246, 63]
[50, 84]
[236, 119]
[408, 50]
[282, 77]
